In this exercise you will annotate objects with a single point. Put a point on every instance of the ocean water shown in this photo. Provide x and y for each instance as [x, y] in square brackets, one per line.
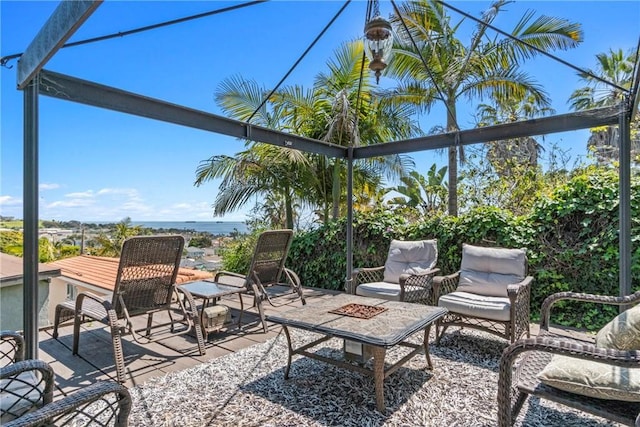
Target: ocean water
[217, 228]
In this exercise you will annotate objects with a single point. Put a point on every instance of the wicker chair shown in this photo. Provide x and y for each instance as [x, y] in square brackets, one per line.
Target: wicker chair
[145, 284]
[266, 269]
[522, 361]
[26, 394]
[491, 292]
[406, 276]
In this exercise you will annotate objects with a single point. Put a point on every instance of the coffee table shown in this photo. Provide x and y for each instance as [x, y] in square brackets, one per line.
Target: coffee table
[210, 292]
[385, 330]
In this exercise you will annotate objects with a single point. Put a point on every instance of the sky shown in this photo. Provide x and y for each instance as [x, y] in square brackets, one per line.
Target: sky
[100, 165]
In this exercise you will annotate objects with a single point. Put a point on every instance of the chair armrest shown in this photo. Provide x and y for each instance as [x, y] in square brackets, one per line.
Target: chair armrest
[75, 408]
[566, 347]
[545, 311]
[516, 289]
[413, 282]
[193, 309]
[293, 277]
[97, 298]
[366, 275]
[26, 385]
[11, 347]
[223, 273]
[421, 279]
[443, 285]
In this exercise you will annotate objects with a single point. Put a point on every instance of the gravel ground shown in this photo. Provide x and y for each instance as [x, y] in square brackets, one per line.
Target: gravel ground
[248, 389]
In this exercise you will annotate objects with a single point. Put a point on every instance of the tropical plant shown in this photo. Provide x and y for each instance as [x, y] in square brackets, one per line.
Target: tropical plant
[111, 245]
[510, 154]
[340, 109]
[434, 65]
[428, 194]
[617, 68]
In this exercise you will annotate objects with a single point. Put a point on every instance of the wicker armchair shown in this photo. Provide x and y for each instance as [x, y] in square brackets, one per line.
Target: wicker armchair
[406, 276]
[25, 385]
[491, 292]
[522, 362]
[145, 284]
[266, 269]
[11, 347]
[26, 394]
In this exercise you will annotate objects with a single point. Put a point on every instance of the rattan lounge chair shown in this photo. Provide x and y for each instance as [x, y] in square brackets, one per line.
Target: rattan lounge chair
[406, 276]
[522, 362]
[26, 394]
[491, 292]
[145, 284]
[266, 269]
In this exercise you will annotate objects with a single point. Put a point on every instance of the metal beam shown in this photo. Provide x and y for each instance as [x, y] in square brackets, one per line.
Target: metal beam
[541, 126]
[30, 216]
[85, 92]
[624, 185]
[63, 22]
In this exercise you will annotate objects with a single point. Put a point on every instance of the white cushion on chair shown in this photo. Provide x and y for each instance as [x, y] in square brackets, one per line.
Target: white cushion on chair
[488, 271]
[411, 257]
[486, 307]
[384, 290]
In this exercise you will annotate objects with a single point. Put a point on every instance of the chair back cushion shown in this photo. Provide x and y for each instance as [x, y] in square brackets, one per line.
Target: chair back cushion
[410, 257]
[488, 271]
[623, 332]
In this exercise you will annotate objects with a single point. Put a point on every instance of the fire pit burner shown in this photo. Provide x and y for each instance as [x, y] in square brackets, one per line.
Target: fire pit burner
[360, 311]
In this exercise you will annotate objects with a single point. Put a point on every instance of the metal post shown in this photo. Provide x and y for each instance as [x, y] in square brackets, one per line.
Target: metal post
[625, 199]
[30, 218]
[348, 281]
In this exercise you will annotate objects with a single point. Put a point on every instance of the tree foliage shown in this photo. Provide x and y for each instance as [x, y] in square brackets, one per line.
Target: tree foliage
[571, 237]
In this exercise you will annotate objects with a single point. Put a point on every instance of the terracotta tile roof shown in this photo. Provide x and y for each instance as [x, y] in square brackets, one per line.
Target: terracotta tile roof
[102, 271]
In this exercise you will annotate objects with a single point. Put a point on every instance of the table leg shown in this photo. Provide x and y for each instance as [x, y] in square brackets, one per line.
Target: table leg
[203, 325]
[425, 343]
[378, 375]
[289, 352]
[241, 311]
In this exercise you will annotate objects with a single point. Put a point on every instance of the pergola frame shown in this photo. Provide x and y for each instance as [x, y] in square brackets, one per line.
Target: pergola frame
[70, 15]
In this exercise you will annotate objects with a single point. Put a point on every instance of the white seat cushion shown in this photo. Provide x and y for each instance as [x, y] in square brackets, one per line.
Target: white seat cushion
[486, 307]
[591, 378]
[410, 257]
[384, 290]
[11, 403]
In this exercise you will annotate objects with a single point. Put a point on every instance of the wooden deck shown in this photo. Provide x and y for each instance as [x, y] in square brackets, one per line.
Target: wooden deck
[142, 362]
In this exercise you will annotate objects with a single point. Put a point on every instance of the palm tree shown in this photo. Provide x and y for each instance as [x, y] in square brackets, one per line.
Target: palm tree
[112, 245]
[441, 68]
[335, 110]
[508, 155]
[617, 68]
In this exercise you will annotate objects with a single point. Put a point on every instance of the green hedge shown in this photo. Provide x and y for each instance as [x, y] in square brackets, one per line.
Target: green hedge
[571, 240]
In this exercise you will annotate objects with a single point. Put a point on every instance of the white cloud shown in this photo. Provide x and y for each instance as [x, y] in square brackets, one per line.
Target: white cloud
[73, 203]
[47, 186]
[131, 192]
[80, 195]
[10, 201]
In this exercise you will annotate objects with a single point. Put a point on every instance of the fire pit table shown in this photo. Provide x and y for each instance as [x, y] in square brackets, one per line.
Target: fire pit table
[369, 327]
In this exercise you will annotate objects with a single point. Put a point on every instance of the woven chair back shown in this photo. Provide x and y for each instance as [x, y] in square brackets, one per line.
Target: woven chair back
[269, 257]
[147, 273]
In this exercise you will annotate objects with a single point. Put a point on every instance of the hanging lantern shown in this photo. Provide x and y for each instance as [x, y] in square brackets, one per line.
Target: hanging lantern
[377, 44]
